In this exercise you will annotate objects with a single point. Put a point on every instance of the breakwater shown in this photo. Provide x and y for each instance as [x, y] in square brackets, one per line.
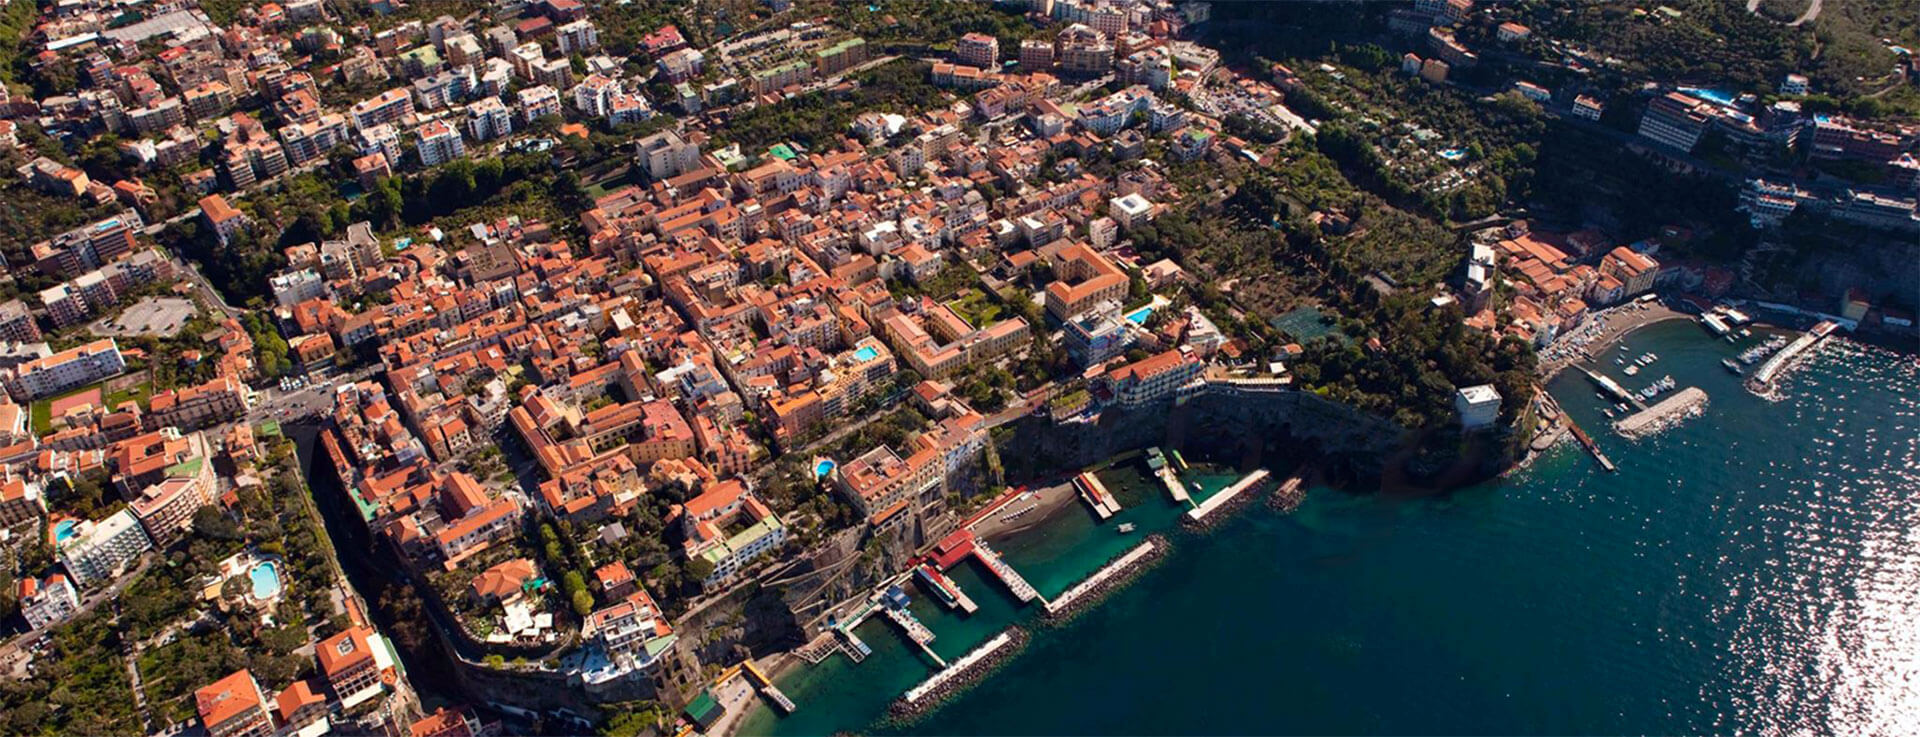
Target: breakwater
[1225, 503]
[1110, 578]
[1686, 402]
[1289, 494]
[959, 676]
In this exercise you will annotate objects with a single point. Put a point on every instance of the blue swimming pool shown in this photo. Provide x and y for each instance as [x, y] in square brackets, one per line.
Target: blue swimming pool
[266, 580]
[1454, 154]
[1722, 97]
[1140, 316]
[866, 353]
[63, 530]
[821, 469]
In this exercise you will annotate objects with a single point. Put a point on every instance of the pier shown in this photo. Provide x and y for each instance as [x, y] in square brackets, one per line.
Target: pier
[944, 589]
[765, 686]
[916, 632]
[1592, 447]
[1157, 462]
[1614, 388]
[963, 672]
[1092, 583]
[1096, 495]
[1763, 379]
[1662, 413]
[1199, 513]
[856, 648]
[1022, 590]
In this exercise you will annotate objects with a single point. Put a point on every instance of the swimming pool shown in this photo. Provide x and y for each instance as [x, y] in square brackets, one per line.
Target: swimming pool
[1721, 97]
[866, 353]
[266, 580]
[63, 530]
[821, 469]
[1140, 316]
[1454, 154]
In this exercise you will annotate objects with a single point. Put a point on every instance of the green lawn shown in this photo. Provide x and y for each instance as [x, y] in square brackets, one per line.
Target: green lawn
[42, 409]
[977, 308]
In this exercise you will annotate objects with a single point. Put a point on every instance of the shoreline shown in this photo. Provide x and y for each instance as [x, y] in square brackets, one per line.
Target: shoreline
[1591, 339]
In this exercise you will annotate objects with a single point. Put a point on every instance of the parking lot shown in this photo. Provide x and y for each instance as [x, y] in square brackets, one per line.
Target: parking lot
[155, 316]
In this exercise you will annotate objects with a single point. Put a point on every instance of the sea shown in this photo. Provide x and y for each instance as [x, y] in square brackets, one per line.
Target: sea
[1753, 569]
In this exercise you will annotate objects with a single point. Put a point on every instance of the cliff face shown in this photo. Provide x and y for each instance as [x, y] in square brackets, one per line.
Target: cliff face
[1258, 427]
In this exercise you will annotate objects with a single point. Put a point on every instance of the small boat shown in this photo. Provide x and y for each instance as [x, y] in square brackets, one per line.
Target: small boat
[1125, 527]
[1631, 370]
[1609, 412]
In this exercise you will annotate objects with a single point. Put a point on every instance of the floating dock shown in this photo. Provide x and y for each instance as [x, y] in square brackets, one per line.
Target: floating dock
[1119, 566]
[916, 632]
[1661, 413]
[1763, 379]
[1199, 513]
[765, 686]
[1096, 495]
[945, 589]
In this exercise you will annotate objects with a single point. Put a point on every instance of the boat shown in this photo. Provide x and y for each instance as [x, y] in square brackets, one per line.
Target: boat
[1608, 411]
[1631, 370]
[1125, 527]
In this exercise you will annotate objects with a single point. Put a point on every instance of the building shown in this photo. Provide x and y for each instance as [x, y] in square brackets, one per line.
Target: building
[1153, 379]
[1036, 55]
[1794, 84]
[387, 107]
[68, 369]
[225, 221]
[1634, 270]
[17, 324]
[634, 633]
[538, 101]
[47, 603]
[1086, 278]
[439, 143]
[1587, 108]
[234, 707]
[839, 57]
[977, 50]
[1478, 406]
[357, 664]
[1082, 51]
[1676, 121]
[166, 509]
[1099, 334]
[1130, 211]
[97, 551]
[727, 527]
[488, 119]
[579, 36]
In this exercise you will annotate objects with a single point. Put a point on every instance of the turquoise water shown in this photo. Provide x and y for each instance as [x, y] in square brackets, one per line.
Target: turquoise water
[266, 580]
[1453, 154]
[63, 530]
[866, 353]
[1140, 316]
[821, 469]
[1749, 571]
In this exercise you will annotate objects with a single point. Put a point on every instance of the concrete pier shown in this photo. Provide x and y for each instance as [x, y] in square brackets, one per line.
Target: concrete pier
[1662, 413]
[917, 632]
[1222, 499]
[1096, 495]
[934, 685]
[1763, 379]
[1092, 583]
[953, 597]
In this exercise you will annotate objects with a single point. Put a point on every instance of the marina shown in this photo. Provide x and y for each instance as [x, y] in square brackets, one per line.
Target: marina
[944, 589]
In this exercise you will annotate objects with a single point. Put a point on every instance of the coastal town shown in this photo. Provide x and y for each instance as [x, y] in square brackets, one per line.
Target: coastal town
[451, 369]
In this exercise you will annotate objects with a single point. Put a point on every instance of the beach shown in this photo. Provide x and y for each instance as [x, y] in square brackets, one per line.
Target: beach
[1600, 332]
[1035, 507]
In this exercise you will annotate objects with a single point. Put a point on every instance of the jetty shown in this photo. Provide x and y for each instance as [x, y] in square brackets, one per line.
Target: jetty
[963, 672]
[1763, 379]
[1108, 575]
[1213, 503]
[1592, 447]
[1095, 494]
[765, 686]
[1157, 462]
[1015, 583]
[1680, 404]
[855, 648]
[1614, 388]
[944, 589]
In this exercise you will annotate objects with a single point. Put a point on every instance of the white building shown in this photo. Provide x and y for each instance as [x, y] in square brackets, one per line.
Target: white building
[1479, 406]
[294, 287]
[99, 551]
[49, 602]
[74, 367]
[439, 143]
[488, 119]
[665, 155]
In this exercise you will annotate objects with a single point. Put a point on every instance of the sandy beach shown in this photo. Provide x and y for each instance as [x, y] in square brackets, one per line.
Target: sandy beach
[1033, 508]
[1600, 332]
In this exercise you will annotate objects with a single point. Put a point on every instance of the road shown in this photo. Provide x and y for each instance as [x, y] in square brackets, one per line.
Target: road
[110, 593]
